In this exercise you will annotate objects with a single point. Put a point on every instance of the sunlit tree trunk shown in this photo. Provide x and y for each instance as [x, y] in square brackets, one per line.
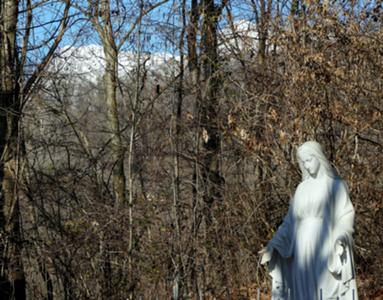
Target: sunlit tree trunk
[103, 23]
[110, 85]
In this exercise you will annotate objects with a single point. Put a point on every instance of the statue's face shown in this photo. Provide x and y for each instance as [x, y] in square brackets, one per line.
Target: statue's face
[310, 163]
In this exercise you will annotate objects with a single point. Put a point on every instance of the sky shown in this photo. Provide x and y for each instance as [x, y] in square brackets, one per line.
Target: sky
[160, 28]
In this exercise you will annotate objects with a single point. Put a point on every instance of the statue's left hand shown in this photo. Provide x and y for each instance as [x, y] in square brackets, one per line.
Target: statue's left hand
[339, 248]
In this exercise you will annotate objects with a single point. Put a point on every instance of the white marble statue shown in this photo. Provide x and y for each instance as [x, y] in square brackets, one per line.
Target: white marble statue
[310, 256]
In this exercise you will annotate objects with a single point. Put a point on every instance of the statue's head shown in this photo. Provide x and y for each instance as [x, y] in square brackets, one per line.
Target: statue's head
[312, 161]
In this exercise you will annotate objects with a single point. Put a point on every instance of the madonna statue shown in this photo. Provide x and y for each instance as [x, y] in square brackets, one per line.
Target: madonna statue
[310, 256]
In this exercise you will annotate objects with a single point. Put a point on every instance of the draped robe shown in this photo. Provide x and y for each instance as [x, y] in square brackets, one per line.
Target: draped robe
[305, 264]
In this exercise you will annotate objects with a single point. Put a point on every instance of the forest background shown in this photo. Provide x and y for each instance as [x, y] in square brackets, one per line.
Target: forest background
[163, 180]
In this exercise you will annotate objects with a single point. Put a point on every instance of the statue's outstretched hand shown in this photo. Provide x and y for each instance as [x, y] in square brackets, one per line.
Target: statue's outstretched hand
[266, 255]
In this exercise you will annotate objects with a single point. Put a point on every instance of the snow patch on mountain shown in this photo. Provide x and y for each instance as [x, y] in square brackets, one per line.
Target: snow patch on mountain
[88, 62]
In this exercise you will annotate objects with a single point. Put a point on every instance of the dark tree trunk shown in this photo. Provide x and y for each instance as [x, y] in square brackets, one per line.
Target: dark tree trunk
[12, 275]
[212, 180]
[209, 106]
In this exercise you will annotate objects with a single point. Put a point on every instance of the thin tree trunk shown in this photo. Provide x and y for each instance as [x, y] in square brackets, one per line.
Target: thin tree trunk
[131, 155]
[193, 66]
[178, 281]
[178, 273]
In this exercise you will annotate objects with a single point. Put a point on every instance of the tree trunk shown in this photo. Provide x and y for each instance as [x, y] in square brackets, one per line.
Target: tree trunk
[193, 261]
[179, 283]
[110, 80]
[110, 85]
[211, 140]
[209, 106]
[263, 30]
[12, 274]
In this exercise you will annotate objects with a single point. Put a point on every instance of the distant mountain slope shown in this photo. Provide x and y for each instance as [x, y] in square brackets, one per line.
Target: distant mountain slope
[87, 62]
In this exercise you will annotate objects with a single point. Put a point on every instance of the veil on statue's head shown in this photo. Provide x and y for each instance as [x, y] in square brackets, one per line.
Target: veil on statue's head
[315, 149]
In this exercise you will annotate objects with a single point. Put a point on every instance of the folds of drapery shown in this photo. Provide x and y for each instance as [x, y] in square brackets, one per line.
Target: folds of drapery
[340, 229]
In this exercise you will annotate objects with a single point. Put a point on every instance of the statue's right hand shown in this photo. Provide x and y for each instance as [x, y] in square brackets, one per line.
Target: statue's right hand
[266, 255]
